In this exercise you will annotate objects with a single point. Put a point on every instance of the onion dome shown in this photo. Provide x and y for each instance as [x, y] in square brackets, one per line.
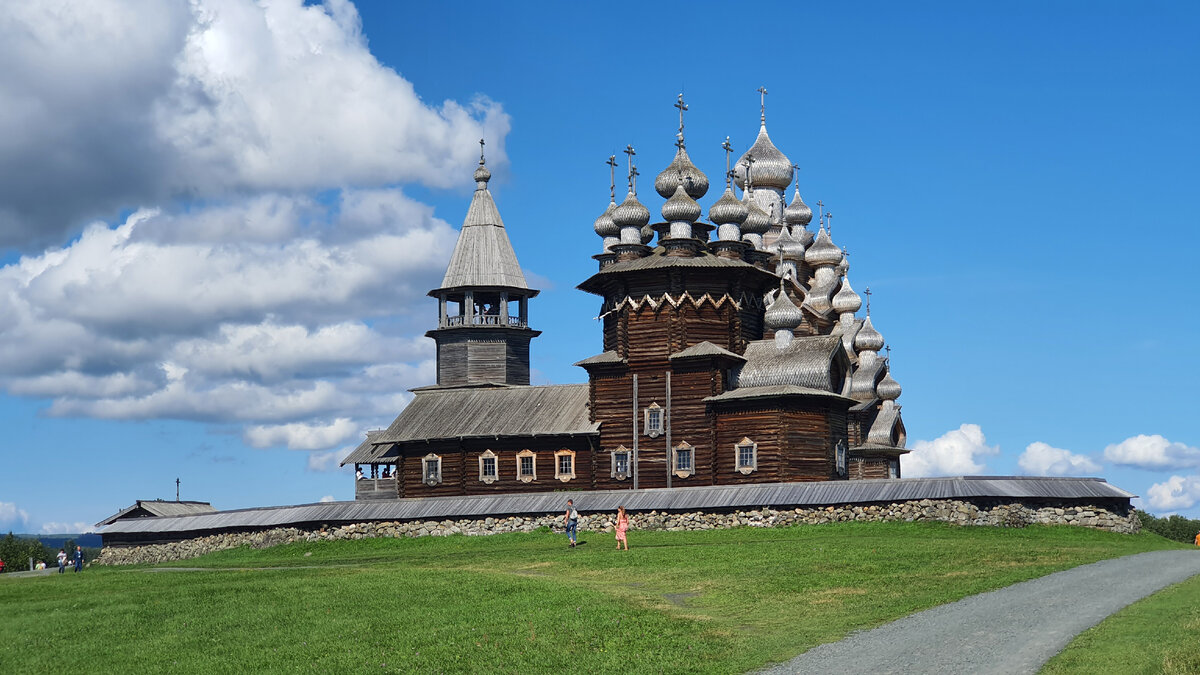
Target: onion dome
[647, 234]
[804, 236]
[604, 226]
[631, 213]
[791, 248]
[482, 176]
[823, 251]
[846, 299]
[888, 388]
[843, 266]
[771, 167]
[681, 207]
[796, 213]
[757, 221]
[679, 172]
[868, 339]
[783, 314]
[728, 210]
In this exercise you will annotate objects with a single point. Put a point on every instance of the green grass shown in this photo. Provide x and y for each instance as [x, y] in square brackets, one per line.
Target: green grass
[717, 601]
[1160, 634]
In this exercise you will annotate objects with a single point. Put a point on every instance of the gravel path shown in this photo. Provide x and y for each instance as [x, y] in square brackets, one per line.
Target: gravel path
[1010, 630]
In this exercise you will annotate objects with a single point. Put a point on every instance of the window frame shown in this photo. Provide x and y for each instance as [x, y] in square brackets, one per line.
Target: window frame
[495, 476]
[841, 458]
[521, 475]
[745, 469]
[558, 455]
[621, 475]
[653, 430]
[679, 471]
[894, 467]
[426, 478]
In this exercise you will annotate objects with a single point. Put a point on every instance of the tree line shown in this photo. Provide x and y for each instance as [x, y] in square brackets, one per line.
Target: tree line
[1172, 527]
[16, 551]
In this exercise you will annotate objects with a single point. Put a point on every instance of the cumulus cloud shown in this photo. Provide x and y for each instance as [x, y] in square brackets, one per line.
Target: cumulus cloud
[1177, 493]
[1153, 453]
[11, 517]
[301, 436]
[78, 527]
[954, 453]
[328, 461]
[1041, 459]
[207, 99]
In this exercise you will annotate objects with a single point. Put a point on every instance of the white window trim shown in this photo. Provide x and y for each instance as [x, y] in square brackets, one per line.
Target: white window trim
[737, 456]
[425, 473]
[628, 463]
[841, 458]
[524, 478]
[564, 477]
[656, 430]
[682, 473]
[488, 454]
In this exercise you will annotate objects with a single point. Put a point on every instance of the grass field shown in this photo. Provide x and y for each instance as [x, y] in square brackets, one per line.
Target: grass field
[716, 601]
[1160, 634]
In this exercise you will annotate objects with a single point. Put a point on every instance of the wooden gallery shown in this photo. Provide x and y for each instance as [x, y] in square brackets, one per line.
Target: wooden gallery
[732, 354]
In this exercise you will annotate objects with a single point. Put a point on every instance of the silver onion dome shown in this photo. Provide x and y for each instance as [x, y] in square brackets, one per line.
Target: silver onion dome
[681, 171]
[771, 167]
[868, 339]
[604, 226]
[647, 234]
[823, 251]
[796, 213]
[888, 388]
[802, 233]
[788, 246]
[846, 299]
[757, 221]
[631, 213]
[783, 314]
[482, 176]
[681, 207]
[728, 210]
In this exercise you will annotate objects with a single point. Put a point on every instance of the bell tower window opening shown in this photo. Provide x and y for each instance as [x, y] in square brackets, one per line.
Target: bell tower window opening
[431, 469]
[526, 466]
[745, 456]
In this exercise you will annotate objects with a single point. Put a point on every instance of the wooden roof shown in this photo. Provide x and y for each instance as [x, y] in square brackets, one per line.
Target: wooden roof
[556, 410]
[659, 260]
[157, 508]
[804, 362]
[483, 256]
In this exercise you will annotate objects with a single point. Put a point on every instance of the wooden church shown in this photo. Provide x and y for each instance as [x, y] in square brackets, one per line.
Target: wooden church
[732, 354]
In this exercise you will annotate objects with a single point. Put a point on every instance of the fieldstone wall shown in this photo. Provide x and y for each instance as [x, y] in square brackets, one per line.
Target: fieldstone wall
[949, 511]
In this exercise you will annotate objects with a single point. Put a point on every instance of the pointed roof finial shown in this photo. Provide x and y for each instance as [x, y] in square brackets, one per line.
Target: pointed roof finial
[682, 107]
[796, 168]
[762, 91]
[630, 152]
[829, 223]
[481, 152]
[888, 358]
[820, 213]
[612, 177]
[868, 294]
[750, 173]
[728, 171]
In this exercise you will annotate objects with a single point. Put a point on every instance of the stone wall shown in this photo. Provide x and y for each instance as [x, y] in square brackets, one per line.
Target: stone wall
[949, 511]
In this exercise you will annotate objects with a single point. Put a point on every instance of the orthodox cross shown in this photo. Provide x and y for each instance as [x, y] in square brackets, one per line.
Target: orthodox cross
[481, 152]
[749, 173]
[612, 177]
[846, 257]
[820, 213]
[728, 172]
[682, 107]
[868, 294]
[829, 223]
[176, 489]
[762, 91]
[888, 349]
[632, 169]
[796, 168]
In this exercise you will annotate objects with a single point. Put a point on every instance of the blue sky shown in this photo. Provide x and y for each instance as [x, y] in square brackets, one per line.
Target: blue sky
[218, 221]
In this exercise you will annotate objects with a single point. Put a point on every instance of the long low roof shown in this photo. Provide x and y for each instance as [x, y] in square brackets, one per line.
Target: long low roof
[661, 499]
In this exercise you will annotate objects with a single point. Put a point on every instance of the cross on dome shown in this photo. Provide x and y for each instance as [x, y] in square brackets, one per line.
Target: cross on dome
[762, 91]
[612, 177]
[682, 107]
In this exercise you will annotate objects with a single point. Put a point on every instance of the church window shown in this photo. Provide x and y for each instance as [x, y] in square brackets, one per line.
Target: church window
[526, 466]
[654, 420]
[620, 463]
[894, 468]
[745, 456]
[684, 463]
[564, 465]
[431, 469]
[488, 472]
[840, 456]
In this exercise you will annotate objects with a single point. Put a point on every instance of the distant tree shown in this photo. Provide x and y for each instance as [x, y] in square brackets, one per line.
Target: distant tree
[1174, 527]
[16, 551]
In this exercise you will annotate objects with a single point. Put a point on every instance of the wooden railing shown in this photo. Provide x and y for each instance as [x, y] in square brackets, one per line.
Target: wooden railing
[375, 488]
[483, 320]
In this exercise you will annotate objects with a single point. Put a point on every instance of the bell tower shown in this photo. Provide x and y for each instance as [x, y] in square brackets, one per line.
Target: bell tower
[483, 332]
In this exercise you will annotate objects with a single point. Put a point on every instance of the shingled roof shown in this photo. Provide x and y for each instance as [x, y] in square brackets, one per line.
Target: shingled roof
[483, 255]
[557, 410]
[805, 362]
[155, 508]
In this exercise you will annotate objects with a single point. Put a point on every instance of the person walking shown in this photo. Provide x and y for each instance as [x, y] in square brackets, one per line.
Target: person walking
[62, 560]
[78, 559]
[622, 527]
[572, 520]
[1198, 538]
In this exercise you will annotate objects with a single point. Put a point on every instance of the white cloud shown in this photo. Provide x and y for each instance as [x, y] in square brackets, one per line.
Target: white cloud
[1152, 452]
[954, 453]
[1177, 493]
[328, 461]
[203, 99]
[12, 518]
[300, 436]
[78, 527]
[1040, 459]
[326, 499]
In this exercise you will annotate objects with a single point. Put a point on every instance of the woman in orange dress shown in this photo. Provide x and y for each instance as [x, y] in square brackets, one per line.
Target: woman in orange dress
[622, 527]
